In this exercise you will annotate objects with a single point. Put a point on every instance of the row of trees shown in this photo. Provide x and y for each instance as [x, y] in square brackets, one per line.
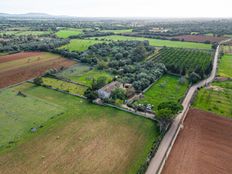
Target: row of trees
[31, 43]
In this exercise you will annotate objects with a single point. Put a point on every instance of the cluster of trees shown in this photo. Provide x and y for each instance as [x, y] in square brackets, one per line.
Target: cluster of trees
[195, 64]
[126, 60]
[180, 27]
[167, 111]
[31, 43]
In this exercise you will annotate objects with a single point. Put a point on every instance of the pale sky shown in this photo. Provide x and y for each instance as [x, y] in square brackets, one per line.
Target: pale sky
[121, 8]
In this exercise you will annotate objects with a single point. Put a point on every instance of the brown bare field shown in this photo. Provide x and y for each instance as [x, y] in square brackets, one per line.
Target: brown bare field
[199, 38]
[204, 146]
[19, 67]
[18, 56]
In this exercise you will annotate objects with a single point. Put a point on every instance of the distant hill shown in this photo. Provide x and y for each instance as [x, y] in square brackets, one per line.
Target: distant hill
[29, 15]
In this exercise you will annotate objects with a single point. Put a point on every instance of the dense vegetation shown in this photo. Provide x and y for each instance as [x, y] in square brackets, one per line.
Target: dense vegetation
[126, 60]
[185, 61]
[30, 43]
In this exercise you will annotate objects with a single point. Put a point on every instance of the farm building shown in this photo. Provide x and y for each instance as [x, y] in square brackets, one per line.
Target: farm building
[105, 91]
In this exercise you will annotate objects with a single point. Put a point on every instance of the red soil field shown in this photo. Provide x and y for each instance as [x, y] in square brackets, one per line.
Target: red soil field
[20, 74]
[200, 38]
[204, 146]
[18, 56]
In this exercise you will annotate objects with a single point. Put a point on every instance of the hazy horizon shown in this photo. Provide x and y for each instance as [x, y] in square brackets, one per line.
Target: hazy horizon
[120, 8]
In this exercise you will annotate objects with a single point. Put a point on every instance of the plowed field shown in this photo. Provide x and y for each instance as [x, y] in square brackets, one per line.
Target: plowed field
[19, 67]
[204, 146]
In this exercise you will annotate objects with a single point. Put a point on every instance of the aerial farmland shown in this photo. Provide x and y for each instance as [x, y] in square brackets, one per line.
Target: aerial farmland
[114, 95]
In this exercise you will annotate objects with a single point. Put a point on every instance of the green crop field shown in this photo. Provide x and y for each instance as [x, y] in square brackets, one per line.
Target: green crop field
[118, 31]
[65, 86]
[85, 138]
[168, 88]
[80, 44]
[19, 114]
[185, 61]
[65, 33]
[215, 99]
[225, 66]
[160, 43]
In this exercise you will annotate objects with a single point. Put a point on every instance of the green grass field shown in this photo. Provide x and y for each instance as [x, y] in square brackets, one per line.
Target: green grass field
[118, 31]
[79, 44]
[225, 66]
[165, 89]
[65, 33]
[217, 99]
[160, 43]
[87, 78]
[19, 114]
[65, 86]
[85, 138]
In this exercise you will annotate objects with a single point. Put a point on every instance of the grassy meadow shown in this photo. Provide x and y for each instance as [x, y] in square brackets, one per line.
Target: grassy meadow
[79, 44]
[168, 88]
[84, 138]
[19, 114]
[225, 66]
[65, 33]
[216, 99]
[83, 74]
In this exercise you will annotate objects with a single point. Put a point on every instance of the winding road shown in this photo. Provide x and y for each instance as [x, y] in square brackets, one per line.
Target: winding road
[157, 163]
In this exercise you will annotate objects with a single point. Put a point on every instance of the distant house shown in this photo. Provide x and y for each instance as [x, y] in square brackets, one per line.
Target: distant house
[105, 91]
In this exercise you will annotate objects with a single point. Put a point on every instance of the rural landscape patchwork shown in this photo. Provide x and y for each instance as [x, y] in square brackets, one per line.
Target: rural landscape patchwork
[115, 95]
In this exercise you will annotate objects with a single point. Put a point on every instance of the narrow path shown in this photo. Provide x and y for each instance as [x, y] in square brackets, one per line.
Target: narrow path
[158, 161]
